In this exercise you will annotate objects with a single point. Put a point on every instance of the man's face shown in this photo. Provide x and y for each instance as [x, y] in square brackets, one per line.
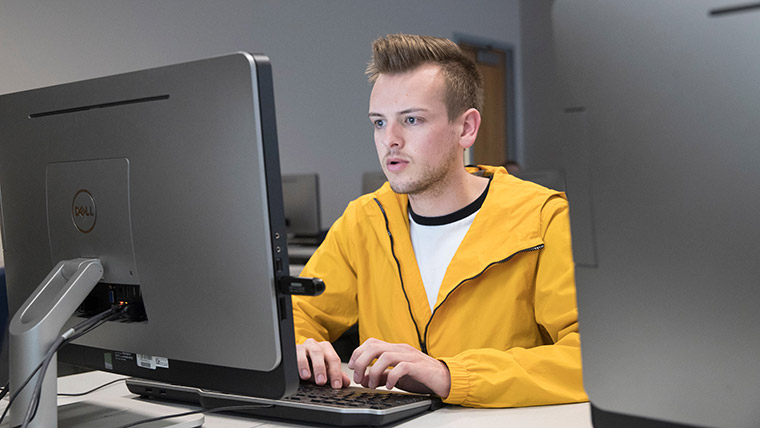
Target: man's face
[417, 145]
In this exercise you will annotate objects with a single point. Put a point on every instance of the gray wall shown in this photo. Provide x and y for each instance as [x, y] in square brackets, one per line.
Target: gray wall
[319, 49]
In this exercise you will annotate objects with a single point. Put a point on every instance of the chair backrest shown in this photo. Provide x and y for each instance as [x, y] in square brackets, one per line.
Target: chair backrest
[3, 302]
[4, 318]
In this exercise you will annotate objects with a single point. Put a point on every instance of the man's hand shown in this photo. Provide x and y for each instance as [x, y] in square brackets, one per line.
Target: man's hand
[399, 365]
[325, 364]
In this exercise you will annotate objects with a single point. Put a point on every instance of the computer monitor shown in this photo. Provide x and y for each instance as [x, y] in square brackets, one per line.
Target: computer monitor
[661, 103]
[300, 193]
[170, 177]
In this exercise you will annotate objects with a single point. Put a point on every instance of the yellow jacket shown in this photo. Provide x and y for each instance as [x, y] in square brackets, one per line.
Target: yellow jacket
[505, 321]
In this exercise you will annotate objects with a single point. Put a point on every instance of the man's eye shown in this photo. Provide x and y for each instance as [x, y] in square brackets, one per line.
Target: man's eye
[379, 123]
[411, 120]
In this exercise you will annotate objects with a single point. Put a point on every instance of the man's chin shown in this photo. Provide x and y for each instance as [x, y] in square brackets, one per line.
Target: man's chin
[406, 188]
[399, 187]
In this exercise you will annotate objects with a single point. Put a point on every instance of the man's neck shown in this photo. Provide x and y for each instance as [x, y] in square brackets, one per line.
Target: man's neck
[455, 195]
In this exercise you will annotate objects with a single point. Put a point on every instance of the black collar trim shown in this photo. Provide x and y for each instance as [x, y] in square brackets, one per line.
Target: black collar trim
[453, 217]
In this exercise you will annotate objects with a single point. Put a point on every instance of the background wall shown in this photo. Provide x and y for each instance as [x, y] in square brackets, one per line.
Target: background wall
[319, 50]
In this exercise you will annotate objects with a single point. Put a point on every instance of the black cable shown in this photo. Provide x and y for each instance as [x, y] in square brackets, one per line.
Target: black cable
[85, 326]
[34, 401]
[160, 418]
[77, 331]
[195, 412]
[88, 325]
[15, 394]
[81, 394]
[6, 388]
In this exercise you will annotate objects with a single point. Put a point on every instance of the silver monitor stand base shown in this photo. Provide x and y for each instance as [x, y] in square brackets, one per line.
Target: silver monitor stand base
[87, 414]
[35, 328]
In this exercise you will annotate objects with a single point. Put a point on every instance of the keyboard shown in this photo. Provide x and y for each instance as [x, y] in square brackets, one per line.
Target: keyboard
[311, 403]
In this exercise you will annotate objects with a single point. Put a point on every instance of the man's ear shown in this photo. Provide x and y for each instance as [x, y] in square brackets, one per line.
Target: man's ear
[470, 126]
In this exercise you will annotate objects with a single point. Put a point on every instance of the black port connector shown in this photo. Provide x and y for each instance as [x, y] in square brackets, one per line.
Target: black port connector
[135, 311]
[301, 286]
[104, 296]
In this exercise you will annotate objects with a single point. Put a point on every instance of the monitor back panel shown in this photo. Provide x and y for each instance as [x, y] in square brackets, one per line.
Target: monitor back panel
[175, 162]
[661, 101]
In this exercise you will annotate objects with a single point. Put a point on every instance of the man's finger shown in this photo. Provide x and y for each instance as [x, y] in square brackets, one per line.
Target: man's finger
[334, 369]
[317, 358]
[303, 362]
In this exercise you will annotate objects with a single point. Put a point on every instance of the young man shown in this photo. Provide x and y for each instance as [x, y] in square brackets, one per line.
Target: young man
[461, 279]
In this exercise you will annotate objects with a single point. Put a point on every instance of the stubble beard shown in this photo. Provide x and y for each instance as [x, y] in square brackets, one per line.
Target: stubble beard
[430, 181]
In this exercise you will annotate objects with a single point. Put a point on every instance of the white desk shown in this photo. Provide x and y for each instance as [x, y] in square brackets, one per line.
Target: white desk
[117, 396]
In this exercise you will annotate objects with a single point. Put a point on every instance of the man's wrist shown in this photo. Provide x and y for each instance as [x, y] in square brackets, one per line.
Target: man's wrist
[459, 381]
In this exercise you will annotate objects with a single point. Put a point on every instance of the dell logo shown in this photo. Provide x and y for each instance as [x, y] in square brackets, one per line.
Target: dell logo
[83, 211]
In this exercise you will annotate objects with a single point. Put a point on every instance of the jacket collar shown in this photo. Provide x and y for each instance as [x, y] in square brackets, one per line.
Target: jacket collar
[512, 205]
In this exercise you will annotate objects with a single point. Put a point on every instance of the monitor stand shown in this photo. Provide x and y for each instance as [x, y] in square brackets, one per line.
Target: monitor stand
[89, 414]
[35, 328]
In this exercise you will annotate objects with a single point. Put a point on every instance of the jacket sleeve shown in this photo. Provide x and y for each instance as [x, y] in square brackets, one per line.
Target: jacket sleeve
[546, 374]
[327, 316]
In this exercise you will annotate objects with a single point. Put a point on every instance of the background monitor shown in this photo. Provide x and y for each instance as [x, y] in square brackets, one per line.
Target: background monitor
[179, 168]
[661, 103]
[300, 194]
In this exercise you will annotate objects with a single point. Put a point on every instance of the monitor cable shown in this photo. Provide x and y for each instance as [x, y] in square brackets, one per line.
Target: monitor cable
[82, 394]
[73, 333]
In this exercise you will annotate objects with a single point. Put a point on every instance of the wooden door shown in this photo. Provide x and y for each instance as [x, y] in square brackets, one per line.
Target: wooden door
[491, 146]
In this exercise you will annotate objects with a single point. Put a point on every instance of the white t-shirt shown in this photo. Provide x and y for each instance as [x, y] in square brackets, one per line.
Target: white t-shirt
[436, 240]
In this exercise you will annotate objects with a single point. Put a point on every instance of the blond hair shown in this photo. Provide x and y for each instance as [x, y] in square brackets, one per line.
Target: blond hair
[399, 53]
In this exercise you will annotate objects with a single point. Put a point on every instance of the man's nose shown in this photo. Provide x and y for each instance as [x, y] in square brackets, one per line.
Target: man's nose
[393, 137]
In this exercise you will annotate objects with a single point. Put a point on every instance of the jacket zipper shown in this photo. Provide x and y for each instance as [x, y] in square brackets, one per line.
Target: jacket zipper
[423, 343]
[526, 250]
[401, 277]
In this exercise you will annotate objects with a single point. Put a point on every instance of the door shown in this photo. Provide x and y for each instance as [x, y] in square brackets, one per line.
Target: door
[493, 142]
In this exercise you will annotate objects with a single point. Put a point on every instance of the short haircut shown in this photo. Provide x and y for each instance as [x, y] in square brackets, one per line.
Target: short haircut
[399, 53]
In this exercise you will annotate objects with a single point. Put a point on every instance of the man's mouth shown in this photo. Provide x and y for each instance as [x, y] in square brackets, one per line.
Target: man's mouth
[395, 164]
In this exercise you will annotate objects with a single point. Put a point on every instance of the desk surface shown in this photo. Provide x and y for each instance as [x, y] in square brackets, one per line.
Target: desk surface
[117, 396]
